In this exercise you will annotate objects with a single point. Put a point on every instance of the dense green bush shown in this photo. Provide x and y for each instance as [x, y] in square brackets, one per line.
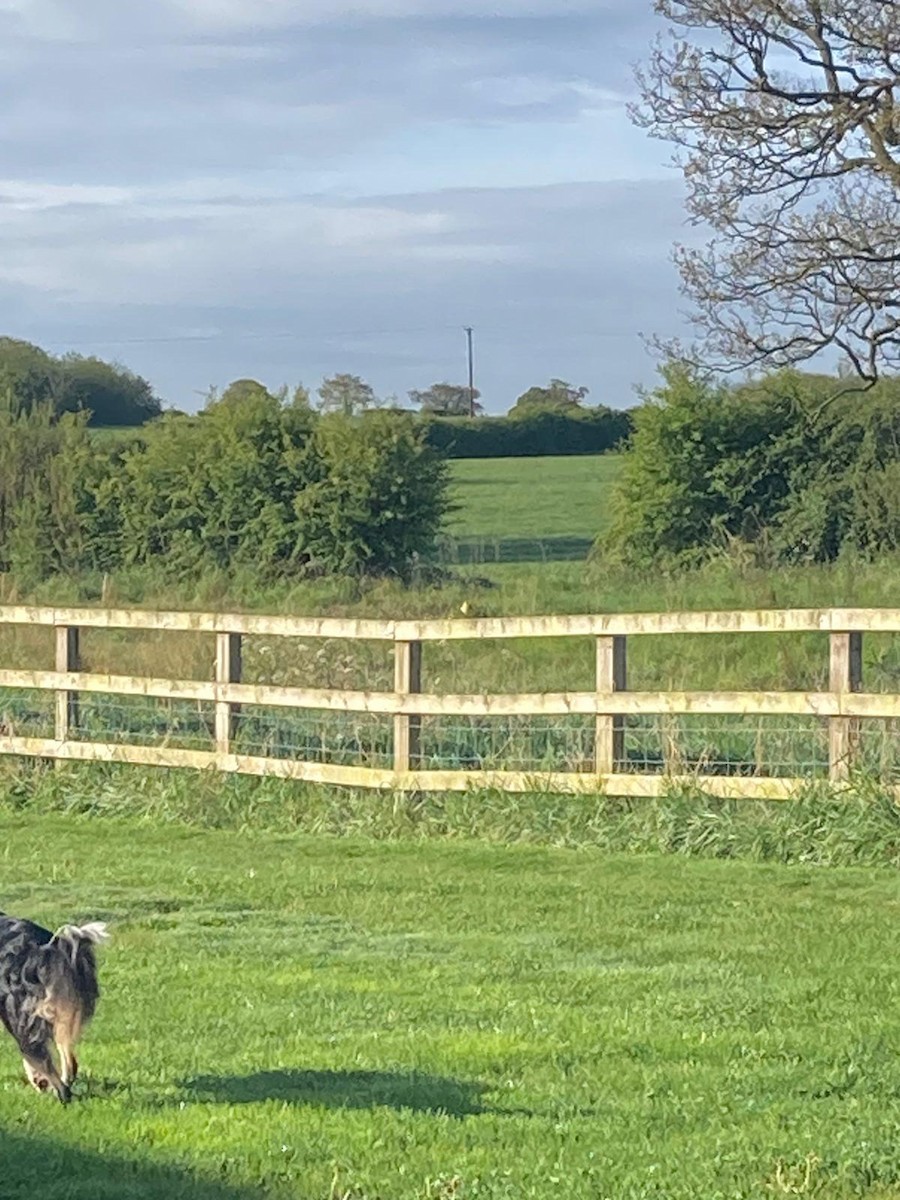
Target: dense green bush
[217, 490]
[537, 432]
[53, 491]
[377, 499]
[251, 483]
[787, 467]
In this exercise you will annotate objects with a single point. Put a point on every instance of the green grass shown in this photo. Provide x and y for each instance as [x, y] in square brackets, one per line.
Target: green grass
[529, 509]
[533, 497]
[858, 826]
[306, 1018]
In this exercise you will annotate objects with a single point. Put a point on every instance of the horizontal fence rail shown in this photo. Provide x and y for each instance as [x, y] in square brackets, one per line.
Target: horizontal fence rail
[624, 741]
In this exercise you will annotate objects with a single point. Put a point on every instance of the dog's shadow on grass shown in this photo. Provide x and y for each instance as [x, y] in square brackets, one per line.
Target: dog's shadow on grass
[411, 1090]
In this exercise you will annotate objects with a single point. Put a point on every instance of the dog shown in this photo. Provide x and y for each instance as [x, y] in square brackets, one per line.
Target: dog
[48, 993]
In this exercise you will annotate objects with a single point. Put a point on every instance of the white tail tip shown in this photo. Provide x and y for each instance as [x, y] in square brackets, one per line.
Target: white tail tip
[95, 931]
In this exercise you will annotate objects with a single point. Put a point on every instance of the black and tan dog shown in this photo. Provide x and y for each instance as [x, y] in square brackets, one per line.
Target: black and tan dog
[48, 993]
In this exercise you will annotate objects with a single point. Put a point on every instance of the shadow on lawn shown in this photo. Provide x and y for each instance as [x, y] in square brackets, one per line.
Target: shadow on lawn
[346, 1089]
[37, 1167]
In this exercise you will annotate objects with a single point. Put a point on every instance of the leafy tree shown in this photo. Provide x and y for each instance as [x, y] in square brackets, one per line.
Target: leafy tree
[558, 396]
[239, 391]
[300, 397]
[786, 119]
[447, 400]
[111, 393]
[347, 394]
[28, 375]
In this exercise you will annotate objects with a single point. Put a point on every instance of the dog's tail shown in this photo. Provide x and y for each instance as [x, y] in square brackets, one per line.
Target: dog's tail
[74, 965]
[78, 936]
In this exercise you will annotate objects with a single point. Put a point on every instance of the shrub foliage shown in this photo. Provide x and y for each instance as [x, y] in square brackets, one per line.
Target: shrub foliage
[252, 482]
[787, 468]
[535, 432]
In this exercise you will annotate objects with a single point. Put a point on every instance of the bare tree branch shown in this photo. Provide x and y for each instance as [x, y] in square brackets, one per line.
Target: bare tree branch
[785, 115]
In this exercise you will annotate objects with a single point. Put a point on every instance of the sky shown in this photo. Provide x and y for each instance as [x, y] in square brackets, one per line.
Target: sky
[207, 190]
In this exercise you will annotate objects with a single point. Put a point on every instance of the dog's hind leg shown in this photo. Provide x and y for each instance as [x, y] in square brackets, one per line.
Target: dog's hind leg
[37, 1081]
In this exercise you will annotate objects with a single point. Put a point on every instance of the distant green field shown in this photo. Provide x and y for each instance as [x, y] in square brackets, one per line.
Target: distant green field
[529, 509]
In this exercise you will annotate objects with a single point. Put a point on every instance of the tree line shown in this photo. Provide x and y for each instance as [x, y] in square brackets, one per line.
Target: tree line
[550, 419]
[108, 393]
[352, 396]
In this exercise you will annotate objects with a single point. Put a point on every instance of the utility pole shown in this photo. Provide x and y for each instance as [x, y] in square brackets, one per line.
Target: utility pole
[468, 329]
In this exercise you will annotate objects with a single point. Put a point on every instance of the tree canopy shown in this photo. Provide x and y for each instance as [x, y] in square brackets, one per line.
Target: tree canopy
[786, 119]
[108, 392]
[347, 394]
[558, 395]
[447, 400]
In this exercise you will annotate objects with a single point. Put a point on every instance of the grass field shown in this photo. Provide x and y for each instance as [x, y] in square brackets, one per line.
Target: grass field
[315, 1019]
[529, 509]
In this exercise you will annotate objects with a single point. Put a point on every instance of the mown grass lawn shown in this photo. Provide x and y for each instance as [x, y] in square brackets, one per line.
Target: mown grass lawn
[315, 1018]
[533, 497]
[528, 510]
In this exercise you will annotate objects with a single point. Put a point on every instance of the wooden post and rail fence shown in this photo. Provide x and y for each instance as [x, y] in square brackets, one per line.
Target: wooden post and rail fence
[608, 706]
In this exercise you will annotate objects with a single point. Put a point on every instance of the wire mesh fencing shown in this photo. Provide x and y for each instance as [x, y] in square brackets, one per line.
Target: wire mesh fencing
[684, 745]
[144, 721]
[769, 746]
[27, 712]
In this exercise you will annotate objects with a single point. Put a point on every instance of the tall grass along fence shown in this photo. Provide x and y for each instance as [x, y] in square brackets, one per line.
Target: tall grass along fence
[762, 744]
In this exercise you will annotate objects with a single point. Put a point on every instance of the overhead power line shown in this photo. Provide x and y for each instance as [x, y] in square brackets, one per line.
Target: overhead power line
[292, 335]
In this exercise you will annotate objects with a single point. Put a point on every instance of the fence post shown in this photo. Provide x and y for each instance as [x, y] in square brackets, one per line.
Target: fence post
[407, 729]
[67, 660]
[228, 670]
[845, 676]
[609, 737]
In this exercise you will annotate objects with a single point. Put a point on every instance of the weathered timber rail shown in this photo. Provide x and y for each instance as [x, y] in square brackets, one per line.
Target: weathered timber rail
[609, 704]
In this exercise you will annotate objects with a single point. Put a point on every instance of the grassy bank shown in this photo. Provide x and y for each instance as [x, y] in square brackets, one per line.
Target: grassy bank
[311, 1018]
[859, 826]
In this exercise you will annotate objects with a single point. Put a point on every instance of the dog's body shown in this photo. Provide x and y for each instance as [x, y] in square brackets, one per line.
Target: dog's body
[48, 993]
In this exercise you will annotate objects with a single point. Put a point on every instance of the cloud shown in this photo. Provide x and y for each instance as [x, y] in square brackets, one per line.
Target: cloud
[287, 187]
[119, 93]
[555, 280]
[245, 15]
